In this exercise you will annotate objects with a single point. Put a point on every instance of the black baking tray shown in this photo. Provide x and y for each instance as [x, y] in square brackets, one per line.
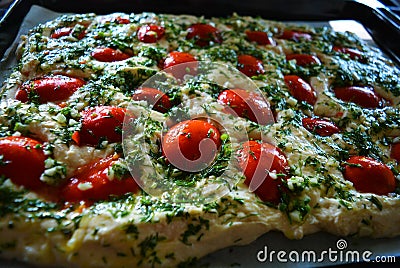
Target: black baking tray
[381, 23]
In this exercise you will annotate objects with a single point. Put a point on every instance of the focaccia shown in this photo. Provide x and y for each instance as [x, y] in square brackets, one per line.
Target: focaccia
[102, 159]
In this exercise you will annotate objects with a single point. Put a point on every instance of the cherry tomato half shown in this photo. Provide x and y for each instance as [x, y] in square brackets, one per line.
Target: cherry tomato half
[107, 54]
[60, 32]
[154, 97]
[121, 20]
[250, 65]
[296, 36]
[101, 123]
[364, 96]
[304, 59]
[204, 34]
[173, 61]
[22, 161]
[246, 104]
[92, 183]
[300, 89]
[260, 38]
[48, 89]
[66, 31]
[369, 175]
[320, 126]
[353, 53]
[177, 57]
[264, 166]
[150, 33]
[191, 145]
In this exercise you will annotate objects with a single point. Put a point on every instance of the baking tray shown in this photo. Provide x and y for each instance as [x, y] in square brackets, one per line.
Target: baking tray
[380, 22]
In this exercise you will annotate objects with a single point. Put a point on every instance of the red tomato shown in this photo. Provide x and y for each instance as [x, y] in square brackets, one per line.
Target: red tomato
[154, 97]
[320, 126]
[260, 38]
[304, 59]
[264, 166]
[296, 36]
[247, 105]
[300, 89]
[173, 61]
[101, 122]
[107, 54]
[250, 65]
[150, 33]
[48, 89]
[65, 31]
[60, 32]
[364, 96]
[369, 175]
[395, 152]
[92, 183]
[23, 161]
[121, 20]
[353, 53]
[177, 57]
[117, 20]
[191, 145]
[204, 34]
